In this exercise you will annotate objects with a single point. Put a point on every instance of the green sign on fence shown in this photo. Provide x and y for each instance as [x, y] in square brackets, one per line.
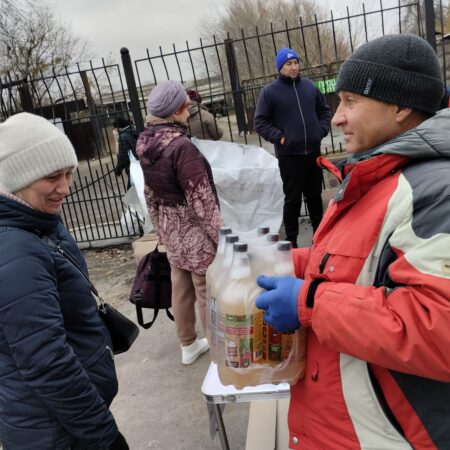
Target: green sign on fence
[326, 86]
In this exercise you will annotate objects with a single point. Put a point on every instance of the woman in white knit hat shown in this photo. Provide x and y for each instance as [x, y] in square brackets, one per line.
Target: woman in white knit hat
[57, 375]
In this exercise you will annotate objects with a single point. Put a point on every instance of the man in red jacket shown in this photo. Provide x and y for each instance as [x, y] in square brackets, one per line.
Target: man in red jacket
[373, 292]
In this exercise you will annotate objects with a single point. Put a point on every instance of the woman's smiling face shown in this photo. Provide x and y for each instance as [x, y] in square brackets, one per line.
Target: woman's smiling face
[48, 193]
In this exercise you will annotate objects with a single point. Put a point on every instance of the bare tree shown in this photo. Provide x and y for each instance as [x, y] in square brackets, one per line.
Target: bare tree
[260, 27]
[35, 45]
[413, 20]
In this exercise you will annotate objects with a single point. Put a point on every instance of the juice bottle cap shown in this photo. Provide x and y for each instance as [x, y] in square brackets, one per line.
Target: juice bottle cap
[263, 229]
[284, 245]
[231, 238]
[240, 247]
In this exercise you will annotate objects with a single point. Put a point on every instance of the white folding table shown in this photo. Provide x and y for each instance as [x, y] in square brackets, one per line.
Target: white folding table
[217, 395]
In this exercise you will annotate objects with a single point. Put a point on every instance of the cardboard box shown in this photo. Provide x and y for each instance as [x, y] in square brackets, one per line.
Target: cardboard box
[145, 245]
[267, 425]
[262, 422]
[327, 195]
[282, 424]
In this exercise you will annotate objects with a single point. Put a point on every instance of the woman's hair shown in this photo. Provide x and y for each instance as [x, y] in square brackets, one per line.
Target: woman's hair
[194, 95]
[120, 122]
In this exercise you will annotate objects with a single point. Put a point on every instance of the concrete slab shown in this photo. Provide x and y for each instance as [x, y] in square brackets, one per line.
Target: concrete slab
[160, 404]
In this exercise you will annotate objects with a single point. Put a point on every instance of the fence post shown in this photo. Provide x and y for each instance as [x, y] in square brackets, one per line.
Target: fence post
[132, 89]
[430, 23]
[235, 86]
[25, 97]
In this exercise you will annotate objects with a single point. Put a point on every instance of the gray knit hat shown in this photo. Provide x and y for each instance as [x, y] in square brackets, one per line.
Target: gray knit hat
[166, 98]
[31, 148]
[401, 69]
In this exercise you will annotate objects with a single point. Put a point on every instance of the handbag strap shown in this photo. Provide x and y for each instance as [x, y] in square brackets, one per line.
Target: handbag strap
[52, 244]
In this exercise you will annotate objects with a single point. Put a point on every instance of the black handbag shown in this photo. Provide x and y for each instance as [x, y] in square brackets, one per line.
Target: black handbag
[152, 286]
[122, 330]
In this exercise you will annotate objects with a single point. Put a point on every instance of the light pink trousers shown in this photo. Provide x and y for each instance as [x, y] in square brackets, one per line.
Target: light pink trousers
[187, 287]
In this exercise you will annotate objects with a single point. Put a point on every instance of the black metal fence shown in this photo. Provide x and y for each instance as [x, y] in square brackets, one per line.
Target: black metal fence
[228, 73]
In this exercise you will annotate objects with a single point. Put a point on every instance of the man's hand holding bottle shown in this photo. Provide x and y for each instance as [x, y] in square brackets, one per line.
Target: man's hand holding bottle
[280, 301]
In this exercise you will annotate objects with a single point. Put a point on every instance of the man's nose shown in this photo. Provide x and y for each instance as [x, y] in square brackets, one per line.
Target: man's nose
[338, 117]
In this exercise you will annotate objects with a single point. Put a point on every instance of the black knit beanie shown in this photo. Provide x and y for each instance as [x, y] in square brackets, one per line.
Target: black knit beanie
[401, 69]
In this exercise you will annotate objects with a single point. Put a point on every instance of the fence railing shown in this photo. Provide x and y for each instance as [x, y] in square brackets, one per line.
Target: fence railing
[228, 73]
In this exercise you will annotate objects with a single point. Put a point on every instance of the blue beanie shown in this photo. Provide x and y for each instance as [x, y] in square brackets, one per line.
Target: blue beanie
[285, 54]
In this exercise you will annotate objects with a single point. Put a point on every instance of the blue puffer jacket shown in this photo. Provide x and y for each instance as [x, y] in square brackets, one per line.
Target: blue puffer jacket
[57, 376]
[295, 109]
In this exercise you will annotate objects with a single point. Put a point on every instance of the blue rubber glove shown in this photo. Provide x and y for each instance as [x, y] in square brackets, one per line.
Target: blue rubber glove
[280, 301]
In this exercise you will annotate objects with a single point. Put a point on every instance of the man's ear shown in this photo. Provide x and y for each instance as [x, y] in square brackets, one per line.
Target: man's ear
[181, 109]
[403, 113]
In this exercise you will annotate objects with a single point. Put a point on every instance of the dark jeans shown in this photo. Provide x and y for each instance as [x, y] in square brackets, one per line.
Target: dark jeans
[301, 176]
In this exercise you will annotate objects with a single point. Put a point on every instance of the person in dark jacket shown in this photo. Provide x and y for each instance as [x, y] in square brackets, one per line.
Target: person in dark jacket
[127, 142]
[292, 114]
[57, 375]
[201, 123]
[183, 206]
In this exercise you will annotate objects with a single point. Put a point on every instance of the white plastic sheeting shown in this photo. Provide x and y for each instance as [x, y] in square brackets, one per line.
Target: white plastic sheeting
[247, 180]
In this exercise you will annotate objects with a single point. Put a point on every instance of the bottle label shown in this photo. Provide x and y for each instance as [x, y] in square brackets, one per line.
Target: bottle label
[243, 339]
[277, 345]
[212, 310]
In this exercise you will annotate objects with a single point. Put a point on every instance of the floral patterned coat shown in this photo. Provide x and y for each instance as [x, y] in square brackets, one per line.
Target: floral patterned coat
[180, 194]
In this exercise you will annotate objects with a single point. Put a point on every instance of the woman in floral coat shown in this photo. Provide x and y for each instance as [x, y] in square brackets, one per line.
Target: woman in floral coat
[183, 206]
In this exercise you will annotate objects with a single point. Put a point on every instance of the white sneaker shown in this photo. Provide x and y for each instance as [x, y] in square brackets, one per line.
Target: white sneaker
[190, 353]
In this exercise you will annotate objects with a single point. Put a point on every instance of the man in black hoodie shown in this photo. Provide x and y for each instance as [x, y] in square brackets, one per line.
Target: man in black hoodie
[127, 141]
[293, 115]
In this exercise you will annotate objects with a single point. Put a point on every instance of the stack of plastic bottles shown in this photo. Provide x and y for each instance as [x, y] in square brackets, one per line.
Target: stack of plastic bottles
[247, 350]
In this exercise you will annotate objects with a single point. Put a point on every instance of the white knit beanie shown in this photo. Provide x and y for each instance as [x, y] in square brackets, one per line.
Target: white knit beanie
[31, 148]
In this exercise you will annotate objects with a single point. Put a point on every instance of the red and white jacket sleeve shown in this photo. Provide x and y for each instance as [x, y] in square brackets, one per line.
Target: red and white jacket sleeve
[403, 324]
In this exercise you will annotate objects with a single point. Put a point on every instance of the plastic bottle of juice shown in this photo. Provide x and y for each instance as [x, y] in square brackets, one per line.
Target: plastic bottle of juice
[214, 287]
[286, 351]
[240, 349]
[248, 236]
[211, 274]
[272, 237]
[262, 253]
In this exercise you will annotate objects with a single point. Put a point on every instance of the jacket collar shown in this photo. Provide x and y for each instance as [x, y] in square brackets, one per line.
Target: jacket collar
[428, 140]
[158, 122]
[15, 214]
[360, 177]
[288, 80]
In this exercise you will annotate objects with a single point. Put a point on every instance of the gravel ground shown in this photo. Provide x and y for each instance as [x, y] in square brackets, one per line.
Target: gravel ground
[112, 272]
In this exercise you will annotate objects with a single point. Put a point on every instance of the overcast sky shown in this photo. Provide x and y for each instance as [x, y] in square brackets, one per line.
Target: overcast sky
[109, 25]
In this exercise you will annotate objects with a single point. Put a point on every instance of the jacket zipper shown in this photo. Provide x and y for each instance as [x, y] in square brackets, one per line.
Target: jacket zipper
[110, 351]
[301, 114]
[324, 261]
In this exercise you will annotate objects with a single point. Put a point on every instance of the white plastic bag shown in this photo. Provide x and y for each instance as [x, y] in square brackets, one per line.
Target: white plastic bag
[247, 180]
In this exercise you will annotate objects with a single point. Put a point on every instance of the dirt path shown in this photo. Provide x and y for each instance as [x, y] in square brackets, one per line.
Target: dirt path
[112, 272]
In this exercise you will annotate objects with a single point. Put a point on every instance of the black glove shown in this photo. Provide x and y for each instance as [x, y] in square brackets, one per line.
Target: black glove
[119, 443]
